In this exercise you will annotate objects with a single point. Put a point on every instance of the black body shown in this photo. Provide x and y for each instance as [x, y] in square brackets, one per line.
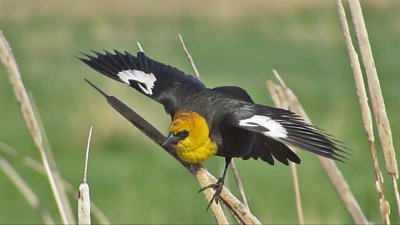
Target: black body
[224, 108]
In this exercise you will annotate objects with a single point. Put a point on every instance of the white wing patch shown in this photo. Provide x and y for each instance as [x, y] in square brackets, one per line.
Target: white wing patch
[275, 129]
[146, 79]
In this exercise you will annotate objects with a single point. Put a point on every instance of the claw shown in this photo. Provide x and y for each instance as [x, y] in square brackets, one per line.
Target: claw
[218, 189]
[213, 186]
[212, 199]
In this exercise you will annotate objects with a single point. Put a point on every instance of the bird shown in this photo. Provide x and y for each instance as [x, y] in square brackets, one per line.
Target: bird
[221, 121]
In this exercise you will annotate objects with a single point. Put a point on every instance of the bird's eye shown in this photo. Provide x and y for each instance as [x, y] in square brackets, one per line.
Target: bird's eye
[182, 134]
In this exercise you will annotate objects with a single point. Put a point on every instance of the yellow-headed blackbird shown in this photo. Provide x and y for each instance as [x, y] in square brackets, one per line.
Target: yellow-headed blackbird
[222, 121]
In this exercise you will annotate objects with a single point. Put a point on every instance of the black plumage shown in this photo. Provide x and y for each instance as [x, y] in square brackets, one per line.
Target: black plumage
[223, 107]
[238, 126]
[172, 84]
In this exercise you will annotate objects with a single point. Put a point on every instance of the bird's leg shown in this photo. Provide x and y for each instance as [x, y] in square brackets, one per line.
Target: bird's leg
[217, 186]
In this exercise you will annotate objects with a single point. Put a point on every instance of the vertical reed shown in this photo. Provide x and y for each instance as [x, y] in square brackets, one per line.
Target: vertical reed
[375, 93]
[365, 110]
[15, 78]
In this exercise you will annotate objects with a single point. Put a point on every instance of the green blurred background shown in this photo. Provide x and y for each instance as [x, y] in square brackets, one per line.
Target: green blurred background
[233, 43]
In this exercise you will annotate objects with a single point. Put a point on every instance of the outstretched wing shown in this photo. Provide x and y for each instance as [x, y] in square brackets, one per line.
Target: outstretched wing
[265, 147]
[161, 82]
[285, 127]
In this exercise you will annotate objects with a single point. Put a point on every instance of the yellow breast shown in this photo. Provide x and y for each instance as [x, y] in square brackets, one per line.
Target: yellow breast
[197, 146]
[196, 155]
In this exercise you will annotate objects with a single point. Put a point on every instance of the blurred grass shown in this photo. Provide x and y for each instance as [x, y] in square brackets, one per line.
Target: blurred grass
[233, 43]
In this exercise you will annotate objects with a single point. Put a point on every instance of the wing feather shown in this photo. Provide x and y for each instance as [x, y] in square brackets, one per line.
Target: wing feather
[285, 127]
[161, 82]
[265, 147]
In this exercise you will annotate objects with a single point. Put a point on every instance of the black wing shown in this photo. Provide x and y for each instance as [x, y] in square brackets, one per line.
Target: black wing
[161, 82]
[264, 147]
[285, 127]
[235, 92]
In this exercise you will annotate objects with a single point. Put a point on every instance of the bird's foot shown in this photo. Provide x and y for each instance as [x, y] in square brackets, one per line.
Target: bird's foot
[218, 189]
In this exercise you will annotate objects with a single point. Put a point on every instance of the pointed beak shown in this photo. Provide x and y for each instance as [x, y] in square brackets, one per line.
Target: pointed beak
[171, 139]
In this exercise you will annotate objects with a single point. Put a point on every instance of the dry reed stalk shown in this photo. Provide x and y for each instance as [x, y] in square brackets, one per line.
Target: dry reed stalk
[377, 100]
[344, 191]
[84, 193]
[232, 164]
[190, 58]
[99, 215]
[203, 176]
[50, 157]
[239, 183]
[375, 92]
[204, 180]
[139, 46]
[281, 102]
[334, 174]
[26, 191]
[365, 111]
[38, 167]
[84, 204]
[14, 75]
[296, 187]
[236, 206]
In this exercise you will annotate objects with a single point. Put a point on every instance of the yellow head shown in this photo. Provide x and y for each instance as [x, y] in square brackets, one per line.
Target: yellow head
[189, 133]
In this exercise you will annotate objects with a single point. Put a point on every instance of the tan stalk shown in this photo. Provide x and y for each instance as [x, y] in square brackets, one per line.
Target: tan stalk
[365, 111]
[204, 180]
[239, 209]
[52, 162]
[37, 167]
[331, 169]
[190, 58]
[98, 214]
[239, 183]
[281, 102]
[26, 191]
[139, 46]
[232, 164]
[296, 187]
[84, 191]
[19, 89]
[375, 92]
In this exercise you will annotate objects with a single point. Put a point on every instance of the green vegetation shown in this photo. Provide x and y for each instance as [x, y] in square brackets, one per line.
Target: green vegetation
[131, 180]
